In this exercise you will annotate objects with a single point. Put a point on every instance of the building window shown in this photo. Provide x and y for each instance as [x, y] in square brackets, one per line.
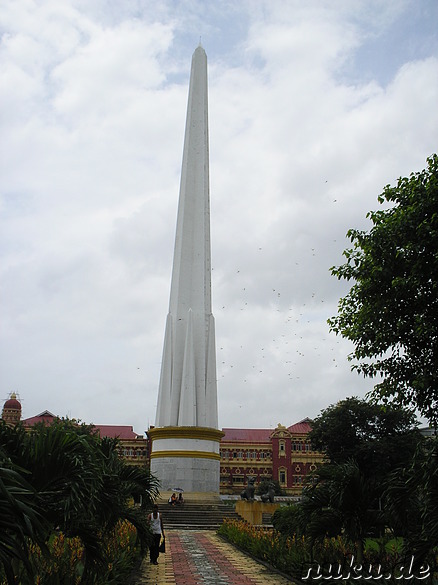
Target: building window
[282, 476]
[281, 448]
[238, 479]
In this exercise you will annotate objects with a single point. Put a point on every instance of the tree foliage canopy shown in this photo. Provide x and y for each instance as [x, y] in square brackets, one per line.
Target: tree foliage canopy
[65, 477]
[411, 500]
[366, 446]
[391, 311]
[378, 438]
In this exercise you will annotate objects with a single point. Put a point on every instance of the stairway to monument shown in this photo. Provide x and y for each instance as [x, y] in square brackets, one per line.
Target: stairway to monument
[197, 513]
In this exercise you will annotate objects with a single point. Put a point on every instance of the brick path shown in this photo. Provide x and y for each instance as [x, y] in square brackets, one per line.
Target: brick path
[202, 558]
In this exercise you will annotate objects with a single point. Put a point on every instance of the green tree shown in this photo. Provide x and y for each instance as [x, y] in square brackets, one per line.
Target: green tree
[20, 520]
[411, 499]
[343, 500]
[76, 482]
[378, 438]
[290, 520]
[391, 311]
[364, 443]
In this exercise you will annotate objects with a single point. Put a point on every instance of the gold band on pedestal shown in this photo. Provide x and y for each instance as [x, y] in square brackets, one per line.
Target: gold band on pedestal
[203, 433]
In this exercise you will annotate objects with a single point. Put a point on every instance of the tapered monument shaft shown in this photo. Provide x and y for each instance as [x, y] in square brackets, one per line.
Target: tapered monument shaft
[185, 439]
[187, 392]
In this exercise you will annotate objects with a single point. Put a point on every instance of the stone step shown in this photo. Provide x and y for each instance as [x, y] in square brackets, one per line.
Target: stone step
[196, 516]
[194, 506]
[200, 498]
[196, 519]
[192, 515]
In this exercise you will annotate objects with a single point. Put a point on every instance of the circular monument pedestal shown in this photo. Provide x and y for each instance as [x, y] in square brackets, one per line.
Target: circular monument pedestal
[186, 457]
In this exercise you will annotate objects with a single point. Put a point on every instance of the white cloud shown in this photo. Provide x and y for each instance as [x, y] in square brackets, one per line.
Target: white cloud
[302, 140]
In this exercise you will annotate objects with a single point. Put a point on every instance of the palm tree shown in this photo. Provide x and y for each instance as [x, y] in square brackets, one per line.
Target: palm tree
[411, 499]
[20, 518]
[85, 486]
[80, 484]
[343, 501]
[122, 484]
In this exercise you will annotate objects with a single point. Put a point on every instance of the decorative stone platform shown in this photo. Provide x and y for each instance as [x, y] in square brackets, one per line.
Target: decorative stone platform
[253, 512]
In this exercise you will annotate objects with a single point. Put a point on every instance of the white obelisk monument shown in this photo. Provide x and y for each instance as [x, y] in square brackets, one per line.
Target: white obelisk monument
[186, 439]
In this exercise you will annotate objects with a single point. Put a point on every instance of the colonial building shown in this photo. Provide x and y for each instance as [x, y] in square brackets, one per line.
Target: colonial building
[11, 413]
[133, 447]
[283, 454]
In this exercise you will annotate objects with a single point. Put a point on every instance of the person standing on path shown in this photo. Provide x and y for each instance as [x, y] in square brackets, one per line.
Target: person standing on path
[156, 524]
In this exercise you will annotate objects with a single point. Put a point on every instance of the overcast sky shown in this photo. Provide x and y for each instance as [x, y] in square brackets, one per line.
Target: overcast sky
[314, 106]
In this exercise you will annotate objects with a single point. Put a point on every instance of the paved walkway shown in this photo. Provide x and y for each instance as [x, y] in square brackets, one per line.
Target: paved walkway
[201, 557]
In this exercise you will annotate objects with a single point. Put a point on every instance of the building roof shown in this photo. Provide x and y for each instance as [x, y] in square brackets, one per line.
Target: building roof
[117, 431]
[301, 428]
[112, 431]
[263, 435]
[247, 435]
[12, 404]
[44, 417]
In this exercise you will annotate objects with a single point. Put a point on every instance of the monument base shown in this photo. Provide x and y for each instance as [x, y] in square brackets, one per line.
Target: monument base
[186, 458]
[188, 473]
[253, 512]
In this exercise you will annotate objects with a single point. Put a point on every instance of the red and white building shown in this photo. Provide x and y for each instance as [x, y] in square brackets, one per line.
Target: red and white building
[133, 447]
[283, 454]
